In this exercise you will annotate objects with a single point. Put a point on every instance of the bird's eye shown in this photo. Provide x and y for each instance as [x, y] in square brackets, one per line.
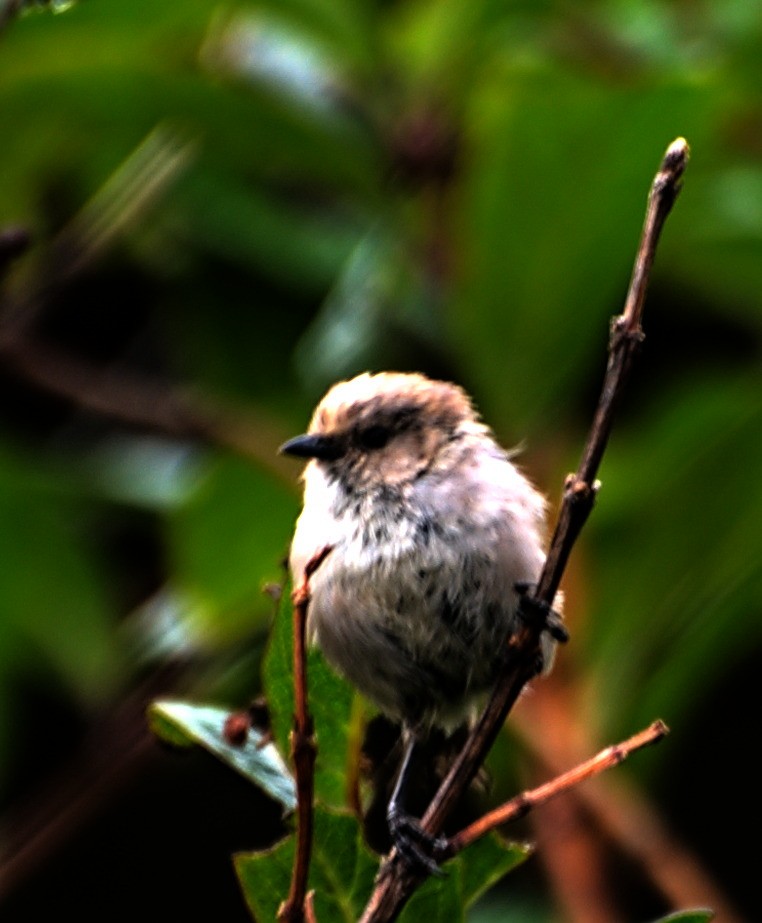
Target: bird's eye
[374, 437]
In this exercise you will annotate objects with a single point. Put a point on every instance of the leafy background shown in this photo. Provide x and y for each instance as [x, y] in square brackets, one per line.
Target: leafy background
[232, 205]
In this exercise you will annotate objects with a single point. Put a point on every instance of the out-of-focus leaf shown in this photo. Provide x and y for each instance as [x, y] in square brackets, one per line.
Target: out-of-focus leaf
[495, 907]
[270, 52]
[675, 533]
[341, 871]
[183, 723]
[547, 250]
[345, 29]
[53, 598]
[329, 702]
[302, 247]
[143, 66]
[715, 245]
[143, 471]
[164, 628]
[39, 6]
[228, 541]
[378, 306]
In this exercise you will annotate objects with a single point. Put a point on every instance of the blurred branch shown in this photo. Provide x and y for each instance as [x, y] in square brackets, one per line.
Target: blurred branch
[126, 196]
[577, 859]
[9, 10]
[131, 399]
[13, 242]
[523, 648]
[115, 392]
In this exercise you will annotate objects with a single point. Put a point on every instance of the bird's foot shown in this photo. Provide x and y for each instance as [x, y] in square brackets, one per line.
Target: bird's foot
[415, 847]
[539, 609]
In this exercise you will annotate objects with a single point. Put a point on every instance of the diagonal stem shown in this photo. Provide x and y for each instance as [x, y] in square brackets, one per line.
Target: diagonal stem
[396, 886]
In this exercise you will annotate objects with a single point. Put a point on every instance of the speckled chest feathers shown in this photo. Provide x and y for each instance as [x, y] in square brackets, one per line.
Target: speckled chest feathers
[431, 525]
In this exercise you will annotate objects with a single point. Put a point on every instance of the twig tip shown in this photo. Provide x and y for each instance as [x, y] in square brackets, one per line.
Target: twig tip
[676, 156]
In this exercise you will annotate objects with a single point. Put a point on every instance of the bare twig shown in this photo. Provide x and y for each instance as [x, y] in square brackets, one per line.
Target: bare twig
[618, 809]
[523, 803]
[303, 752]
[396, 886]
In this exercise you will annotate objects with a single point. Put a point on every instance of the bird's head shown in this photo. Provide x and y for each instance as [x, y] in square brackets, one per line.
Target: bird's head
[386, 428]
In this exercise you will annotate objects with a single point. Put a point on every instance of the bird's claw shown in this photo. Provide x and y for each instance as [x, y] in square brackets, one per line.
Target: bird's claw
[552, 621]
[417, 848]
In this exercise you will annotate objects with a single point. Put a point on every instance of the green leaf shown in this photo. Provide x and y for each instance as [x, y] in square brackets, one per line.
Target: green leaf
[296, 245]
[53, 598]
[688, 916]
[380, 312]
[467, 878]
[341, 872]
[438, 900]
[329, 702]
[485, 862]
[183, 724]
[267, 52]
[697, 611]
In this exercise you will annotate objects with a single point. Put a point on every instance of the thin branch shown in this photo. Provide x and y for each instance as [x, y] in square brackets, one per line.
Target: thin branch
[620, 810]
[523, 803]
[399, 881]
[626, 331]
[303, 753]
[625, 339]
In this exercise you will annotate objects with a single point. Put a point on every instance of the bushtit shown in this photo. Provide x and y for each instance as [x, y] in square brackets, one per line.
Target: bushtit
[434, 533]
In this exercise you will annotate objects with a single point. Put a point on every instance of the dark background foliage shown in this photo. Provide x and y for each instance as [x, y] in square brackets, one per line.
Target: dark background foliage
[230, 207]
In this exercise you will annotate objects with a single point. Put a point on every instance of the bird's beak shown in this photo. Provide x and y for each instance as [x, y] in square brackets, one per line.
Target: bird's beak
[326, 448]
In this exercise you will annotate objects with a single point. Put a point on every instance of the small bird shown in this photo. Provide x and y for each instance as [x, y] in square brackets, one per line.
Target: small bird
[434, 533]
